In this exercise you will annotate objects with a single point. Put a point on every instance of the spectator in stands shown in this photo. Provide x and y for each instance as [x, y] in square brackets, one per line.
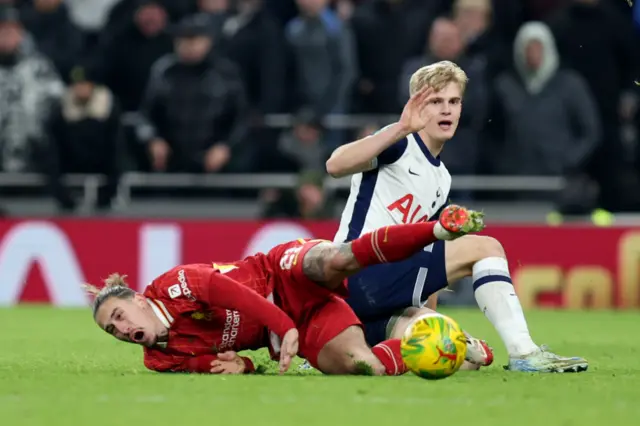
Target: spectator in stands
[472, 17]
[505, 17]
[598, 42]
[253, 40]
[29, 90]
[218, 10]
[549, 117]
[308, 201]
[123, 12]
[55, 35]
[29, 86]
[445, 42]
[303, 144]
[387, 33]
[90, 15]
[195, 106]
[344, 9]
[86, 131]
[482, 41]
[324, 58]
[128, 56]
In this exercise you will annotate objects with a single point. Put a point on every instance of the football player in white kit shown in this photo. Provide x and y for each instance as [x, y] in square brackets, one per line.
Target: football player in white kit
[398, 178]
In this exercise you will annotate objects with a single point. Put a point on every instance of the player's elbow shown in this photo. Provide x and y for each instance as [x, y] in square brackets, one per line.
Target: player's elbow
[334, 168]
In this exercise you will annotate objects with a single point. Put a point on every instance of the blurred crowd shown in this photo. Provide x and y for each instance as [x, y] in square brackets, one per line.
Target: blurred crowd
[107, 86]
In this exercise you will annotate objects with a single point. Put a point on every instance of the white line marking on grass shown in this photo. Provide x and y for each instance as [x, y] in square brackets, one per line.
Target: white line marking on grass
[148, 399]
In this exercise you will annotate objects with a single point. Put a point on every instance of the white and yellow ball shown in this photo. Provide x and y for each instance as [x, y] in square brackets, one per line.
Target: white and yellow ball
[433, 346]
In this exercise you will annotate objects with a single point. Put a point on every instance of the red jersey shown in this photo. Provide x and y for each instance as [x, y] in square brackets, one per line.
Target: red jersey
[242, 305]
[207, 312]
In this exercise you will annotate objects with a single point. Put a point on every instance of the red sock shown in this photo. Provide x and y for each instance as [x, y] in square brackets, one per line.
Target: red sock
[388, 352]
[393, 243]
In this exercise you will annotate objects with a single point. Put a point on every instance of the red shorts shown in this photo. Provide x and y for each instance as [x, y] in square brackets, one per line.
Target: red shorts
[319, 313]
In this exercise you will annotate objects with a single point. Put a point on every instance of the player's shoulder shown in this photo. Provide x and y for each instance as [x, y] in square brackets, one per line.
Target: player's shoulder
[393, 153]
[419, 152]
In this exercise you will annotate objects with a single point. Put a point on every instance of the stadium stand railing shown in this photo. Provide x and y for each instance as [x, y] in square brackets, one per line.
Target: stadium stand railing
[131, 181]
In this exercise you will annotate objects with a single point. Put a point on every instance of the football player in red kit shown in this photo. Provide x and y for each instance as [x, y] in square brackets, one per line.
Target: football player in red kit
[194, 318]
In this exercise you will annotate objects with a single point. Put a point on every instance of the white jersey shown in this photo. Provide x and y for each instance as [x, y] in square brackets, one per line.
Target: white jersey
[407, 185]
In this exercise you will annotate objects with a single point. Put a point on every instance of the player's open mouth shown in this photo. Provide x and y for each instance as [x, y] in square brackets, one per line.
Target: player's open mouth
[445, 124]
[137, 336]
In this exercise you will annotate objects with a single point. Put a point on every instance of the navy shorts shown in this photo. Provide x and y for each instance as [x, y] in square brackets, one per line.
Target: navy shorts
[379, 292]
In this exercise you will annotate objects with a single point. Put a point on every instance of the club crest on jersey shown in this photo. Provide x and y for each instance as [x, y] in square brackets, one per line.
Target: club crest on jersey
[438, 195]
[202, 316]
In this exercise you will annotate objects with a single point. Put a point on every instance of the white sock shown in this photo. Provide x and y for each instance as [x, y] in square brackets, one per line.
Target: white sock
[497, 298]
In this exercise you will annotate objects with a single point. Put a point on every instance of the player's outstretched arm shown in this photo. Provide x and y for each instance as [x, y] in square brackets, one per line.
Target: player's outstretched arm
[362, 155]
[223, 292]
[226, 293]
[223, 363]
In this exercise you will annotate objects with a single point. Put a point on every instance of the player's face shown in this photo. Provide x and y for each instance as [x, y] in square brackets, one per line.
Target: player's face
[129, 320]
[444, 109]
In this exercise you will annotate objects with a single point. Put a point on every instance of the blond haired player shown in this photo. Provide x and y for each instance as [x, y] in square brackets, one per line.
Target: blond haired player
[398, 178]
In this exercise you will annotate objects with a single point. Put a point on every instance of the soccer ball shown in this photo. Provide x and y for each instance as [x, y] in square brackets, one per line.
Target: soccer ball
[433, 346]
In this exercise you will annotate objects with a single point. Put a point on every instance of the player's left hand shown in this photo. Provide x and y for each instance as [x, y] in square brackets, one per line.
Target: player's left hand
[289, 349]
[228, 362]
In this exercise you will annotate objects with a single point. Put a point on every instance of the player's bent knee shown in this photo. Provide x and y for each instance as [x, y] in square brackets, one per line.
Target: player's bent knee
[491, 247]
[478, 247]
[348, 353]
[403, 321]
[462, 254]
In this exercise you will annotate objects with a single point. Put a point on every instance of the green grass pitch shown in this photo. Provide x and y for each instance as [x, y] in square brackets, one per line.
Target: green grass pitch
[57, 368]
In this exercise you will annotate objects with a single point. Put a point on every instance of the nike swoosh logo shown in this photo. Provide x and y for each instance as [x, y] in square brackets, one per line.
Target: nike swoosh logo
[412, 173]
